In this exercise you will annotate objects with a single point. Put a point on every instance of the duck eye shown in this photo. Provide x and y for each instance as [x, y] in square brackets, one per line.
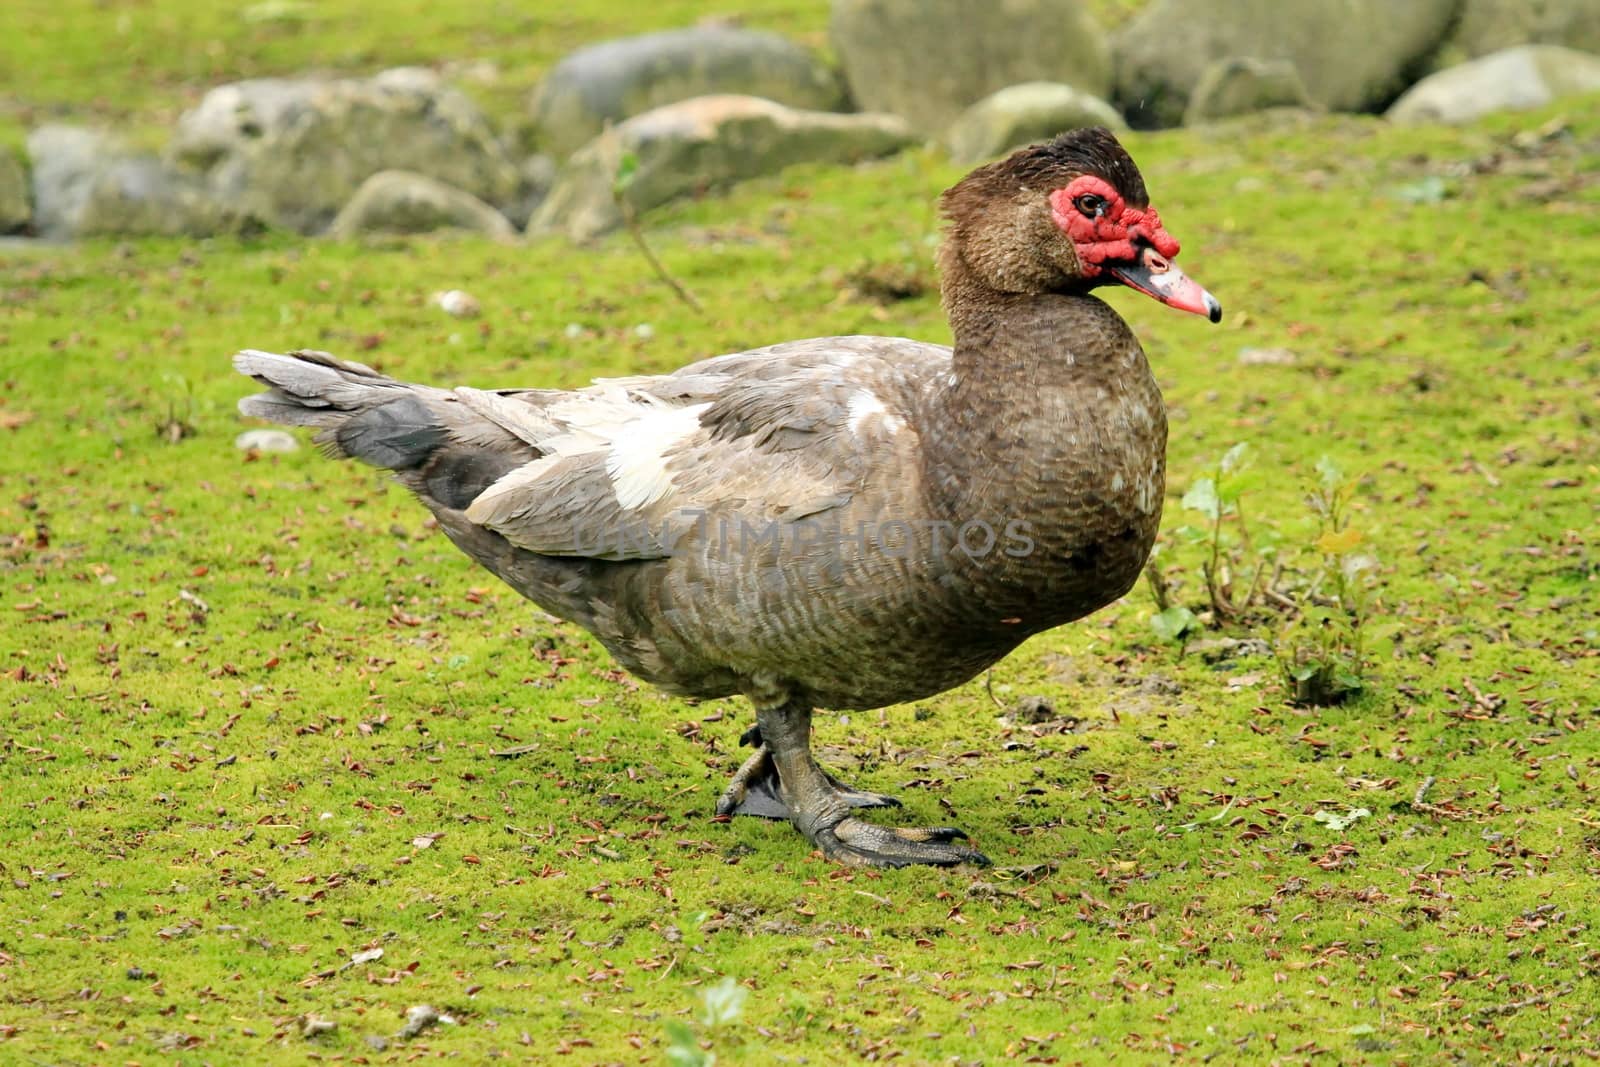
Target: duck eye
[1090, 204]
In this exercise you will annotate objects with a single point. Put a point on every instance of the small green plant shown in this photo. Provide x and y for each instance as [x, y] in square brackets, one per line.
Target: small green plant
[1324, 650]
[627, 171]
[1173, 623]
[178, 421]
[1227, 550]
[722, 1005]
[1219, 499]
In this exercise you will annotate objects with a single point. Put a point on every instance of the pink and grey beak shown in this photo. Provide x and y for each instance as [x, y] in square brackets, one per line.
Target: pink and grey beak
[1157, 276]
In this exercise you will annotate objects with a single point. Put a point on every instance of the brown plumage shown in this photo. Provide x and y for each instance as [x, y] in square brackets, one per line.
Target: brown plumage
[844, 522]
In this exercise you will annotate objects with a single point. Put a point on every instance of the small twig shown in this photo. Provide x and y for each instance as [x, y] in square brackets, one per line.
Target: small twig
[1158, 585]
[635, 231]
[1531, 1002]
[988, 687]
[514, 750]
[1420, 803]
[1280, 600]
[623, 809]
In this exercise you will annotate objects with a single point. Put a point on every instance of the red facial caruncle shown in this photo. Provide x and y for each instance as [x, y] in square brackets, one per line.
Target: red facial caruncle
[1109, 232]
[1127, 244]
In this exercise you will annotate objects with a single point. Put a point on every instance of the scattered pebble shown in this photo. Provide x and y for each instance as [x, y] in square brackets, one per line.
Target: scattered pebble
[458, 302]
[1031, 709]
[419, 1019]
[1220, 649]
[1267, 357]
[644, 331]
[266, 441]
[377, 1043]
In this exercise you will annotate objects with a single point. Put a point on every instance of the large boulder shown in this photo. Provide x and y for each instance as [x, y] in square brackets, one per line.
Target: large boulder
[610, 81]
[1238, 86]
[400, 201]
[85, 182]
[16, 207]
[1352, 55]
[929, 60]
[698, 144]
[1491, 25]
[1022, 114]
[231, 119]
[295, 150]
[1527, 76]
[66, 162]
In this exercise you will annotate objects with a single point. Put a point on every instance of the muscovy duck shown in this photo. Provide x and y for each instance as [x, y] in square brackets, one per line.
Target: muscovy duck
[838, 523]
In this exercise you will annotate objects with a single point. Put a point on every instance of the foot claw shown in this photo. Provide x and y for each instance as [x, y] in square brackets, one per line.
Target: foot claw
[863, 844]
[781, 779]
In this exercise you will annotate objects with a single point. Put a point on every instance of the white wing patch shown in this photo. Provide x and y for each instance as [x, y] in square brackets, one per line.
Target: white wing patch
[637, 459]
[628, 436]
[863, 405]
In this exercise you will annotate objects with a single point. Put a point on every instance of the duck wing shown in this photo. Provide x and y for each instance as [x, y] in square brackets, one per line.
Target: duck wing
[629, 466]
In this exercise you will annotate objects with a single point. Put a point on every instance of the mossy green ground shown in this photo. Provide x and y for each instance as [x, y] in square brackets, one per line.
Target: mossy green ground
[250, 706]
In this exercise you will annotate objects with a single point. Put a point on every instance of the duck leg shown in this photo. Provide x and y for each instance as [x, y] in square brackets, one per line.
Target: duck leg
[754, 787]
[820, 810]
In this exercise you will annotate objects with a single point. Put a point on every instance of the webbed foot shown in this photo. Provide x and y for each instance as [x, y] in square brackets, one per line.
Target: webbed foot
[863, 844]
[782, 781]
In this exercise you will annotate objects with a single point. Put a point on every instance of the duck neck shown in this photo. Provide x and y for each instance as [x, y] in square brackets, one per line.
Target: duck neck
[1015, 352]
[1038, 381]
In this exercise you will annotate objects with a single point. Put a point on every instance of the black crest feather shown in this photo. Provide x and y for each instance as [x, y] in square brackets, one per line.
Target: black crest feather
[1050, 165]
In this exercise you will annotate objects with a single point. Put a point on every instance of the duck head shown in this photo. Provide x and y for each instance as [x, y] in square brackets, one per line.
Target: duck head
[1066, 216]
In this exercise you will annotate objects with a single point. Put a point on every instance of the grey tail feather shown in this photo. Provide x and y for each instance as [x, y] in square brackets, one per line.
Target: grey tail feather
[361, 414]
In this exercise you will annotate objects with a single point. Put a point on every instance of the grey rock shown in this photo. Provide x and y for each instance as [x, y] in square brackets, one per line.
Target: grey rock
[401, 201]
[539, 174]
[1224, 649]
[418, 1018]
[419, 80]
[1032, 710]
[1527, 76]
[613, 80]
[67, 161]
[706, 142]
[16, 205]
[1022, 114]
[231, 118]
[146, 195]
[1239, 86]
[1492, 25]
[929, 60]
[295, 151]
[85, 182]
[1353, 55]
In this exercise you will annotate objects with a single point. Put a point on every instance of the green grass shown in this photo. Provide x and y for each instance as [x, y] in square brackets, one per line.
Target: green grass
[239, 696]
